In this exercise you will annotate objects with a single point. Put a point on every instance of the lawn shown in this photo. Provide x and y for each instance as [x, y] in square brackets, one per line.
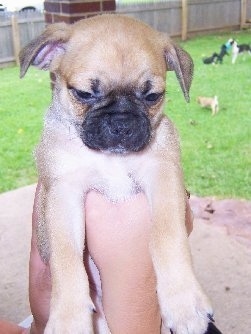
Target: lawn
[215, 150]
[22, 106]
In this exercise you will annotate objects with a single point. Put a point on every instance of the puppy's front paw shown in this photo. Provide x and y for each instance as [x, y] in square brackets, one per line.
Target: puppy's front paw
[70, 321]
[185, 310]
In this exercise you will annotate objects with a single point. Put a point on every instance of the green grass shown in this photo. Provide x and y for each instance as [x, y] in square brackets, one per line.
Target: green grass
[22, 107]
[215, 150]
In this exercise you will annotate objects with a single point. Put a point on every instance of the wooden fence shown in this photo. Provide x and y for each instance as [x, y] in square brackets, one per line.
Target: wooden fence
[15, 32]
[176, 17]
[184, 17]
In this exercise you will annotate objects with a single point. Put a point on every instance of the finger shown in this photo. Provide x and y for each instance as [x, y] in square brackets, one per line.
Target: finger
[10, 328]
[119, 244]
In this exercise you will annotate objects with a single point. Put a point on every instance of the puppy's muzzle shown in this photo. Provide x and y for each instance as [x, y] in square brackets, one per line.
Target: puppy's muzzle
[116, 132]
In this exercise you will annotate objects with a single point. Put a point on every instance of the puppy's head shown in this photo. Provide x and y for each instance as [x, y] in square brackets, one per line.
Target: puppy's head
[110, 78]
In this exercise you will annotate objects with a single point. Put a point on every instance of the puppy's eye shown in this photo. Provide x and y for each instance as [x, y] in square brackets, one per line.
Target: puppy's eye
[153, 97]
[81, 95]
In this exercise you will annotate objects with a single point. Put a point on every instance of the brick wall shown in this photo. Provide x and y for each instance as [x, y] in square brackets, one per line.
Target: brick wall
[70, 11]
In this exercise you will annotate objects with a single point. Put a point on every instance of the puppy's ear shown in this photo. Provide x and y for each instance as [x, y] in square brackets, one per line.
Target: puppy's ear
[179, 60]
[45, 48]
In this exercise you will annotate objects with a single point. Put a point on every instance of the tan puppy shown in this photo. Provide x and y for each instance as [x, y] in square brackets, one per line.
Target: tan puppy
[209, 102]
[105, 130]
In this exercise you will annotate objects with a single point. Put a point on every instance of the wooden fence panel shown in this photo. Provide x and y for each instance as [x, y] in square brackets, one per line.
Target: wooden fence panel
[17, 31]
[213, 14]
[248, 18]
[202, 15]
[30, 30]
[162, 15]
[6, 45]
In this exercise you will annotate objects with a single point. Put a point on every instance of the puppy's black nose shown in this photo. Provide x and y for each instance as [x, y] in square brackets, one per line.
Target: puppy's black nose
[119, 126]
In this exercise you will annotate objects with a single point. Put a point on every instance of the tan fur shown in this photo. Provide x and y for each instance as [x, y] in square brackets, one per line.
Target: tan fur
[121, 52]
[209, 102]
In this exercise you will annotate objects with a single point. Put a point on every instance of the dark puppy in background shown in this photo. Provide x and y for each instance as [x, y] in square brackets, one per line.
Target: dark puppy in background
[211, 60]
[106, 130]
[218, 57]
[222, 54]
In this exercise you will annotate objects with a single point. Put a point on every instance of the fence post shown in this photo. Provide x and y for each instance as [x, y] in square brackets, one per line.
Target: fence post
[243, 13]
[184, 20]
[15, 37]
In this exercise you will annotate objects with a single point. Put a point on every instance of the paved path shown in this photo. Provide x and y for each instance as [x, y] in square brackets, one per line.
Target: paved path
[222, 258]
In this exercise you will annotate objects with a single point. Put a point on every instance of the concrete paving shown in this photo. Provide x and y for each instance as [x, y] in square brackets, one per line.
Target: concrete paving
[223, 265]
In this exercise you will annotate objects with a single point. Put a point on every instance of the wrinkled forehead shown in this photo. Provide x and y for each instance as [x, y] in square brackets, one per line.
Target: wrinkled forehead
[116, 58]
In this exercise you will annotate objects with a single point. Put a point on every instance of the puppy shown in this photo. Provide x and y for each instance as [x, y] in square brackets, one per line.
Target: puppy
[218, 57]
[105, 130]
[238, 49]
[209, 102]
[211, 60]
[222, 54]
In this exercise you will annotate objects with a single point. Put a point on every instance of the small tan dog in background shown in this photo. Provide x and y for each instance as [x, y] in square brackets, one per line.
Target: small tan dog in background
[209, 102]
[106, 130]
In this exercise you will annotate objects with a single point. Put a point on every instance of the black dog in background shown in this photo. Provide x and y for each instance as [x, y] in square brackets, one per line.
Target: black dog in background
[211, 60]
[223, 53]
[218, 57]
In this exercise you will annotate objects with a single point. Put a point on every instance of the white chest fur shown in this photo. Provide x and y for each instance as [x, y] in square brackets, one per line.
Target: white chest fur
[116, 177]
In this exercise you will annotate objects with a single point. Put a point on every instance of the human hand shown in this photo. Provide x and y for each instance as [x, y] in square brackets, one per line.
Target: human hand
[128, 281]
[7, 327]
